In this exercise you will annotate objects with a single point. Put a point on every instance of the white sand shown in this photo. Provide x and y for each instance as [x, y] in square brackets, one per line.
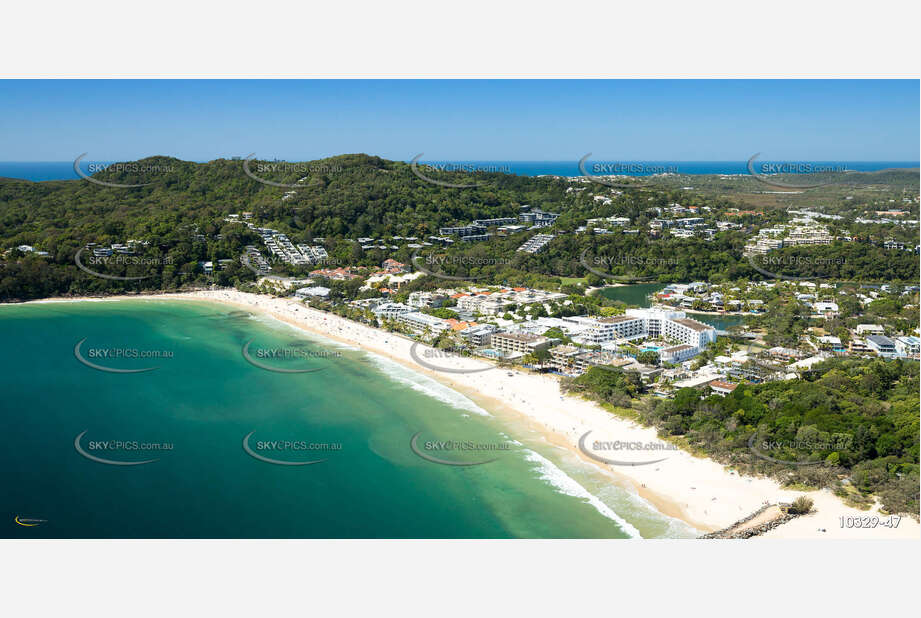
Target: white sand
[697, 490]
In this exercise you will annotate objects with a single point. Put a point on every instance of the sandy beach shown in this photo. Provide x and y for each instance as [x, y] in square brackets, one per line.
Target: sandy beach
[696, 490]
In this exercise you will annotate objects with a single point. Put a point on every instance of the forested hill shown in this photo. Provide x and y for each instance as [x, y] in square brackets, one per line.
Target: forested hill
[178, 209]
[348, 194]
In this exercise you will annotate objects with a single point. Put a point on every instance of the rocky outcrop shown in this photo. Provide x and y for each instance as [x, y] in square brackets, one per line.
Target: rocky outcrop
[747, 533]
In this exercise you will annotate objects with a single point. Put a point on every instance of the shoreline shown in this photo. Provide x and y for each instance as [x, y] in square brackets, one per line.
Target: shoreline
[698, 491]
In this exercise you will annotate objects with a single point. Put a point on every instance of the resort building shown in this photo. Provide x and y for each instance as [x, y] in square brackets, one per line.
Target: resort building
[494, 222]
[858, 347]
[494, 303]
[828, 309]
[422, 322]
[391, 311]
[574, 361]
[429, 300]
[671, 326]
[882, 345]
[393, 267]
[562, 358]
[536, 243]
[538, 218]
[462, 231]
[613, 328]
[722, 388]
[518, 343]
[807, 235]
[677, 353]
[479, 336]
[830, 342]
[907, 346]
[312, 292]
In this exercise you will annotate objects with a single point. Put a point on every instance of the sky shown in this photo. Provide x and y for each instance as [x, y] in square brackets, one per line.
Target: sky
[517, 120]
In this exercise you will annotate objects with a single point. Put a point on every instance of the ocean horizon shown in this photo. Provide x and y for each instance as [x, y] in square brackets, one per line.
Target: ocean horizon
[40, 171]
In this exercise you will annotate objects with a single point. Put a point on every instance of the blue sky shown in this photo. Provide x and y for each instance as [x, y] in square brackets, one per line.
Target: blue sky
[683, 120]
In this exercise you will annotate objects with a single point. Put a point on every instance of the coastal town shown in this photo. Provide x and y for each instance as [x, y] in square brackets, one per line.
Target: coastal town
[670, 316]
[667, 341]
[665, 344]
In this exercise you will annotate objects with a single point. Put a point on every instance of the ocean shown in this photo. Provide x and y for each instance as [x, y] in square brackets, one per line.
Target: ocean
[37, 171]
[208, 418]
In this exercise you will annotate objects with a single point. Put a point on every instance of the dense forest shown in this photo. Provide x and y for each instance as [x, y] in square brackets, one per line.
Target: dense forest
[179, 211]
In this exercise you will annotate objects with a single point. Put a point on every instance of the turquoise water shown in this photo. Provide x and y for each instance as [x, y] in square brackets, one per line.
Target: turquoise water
[202, 397]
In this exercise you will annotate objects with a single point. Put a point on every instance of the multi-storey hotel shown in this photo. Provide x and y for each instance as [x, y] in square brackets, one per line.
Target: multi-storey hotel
[518, 343]
[650, 324]
[422, 322]
[493, 303]
[615, 327]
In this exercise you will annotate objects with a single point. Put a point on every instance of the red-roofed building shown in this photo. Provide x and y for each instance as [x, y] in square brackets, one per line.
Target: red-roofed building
[340, 274]
[722, 388]
[391, 265]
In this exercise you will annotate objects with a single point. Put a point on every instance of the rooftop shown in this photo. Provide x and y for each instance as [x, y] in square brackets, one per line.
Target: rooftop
[692, 324]
[614, 319]
[524, 337]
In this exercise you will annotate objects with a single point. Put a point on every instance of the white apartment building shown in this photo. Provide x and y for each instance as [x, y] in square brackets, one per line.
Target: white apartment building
[607, 329]
[536, 243]
[391, 311]
[421, 322]
[677, 353]
[907, 346]
[479, 335]
[651, 324]
[807, 235]
[495, 303]
[487, 304]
